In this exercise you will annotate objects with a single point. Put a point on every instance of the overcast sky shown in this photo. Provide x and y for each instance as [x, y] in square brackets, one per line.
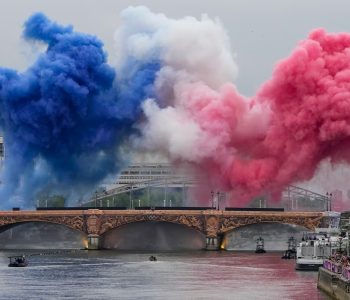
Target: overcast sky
[261, 32]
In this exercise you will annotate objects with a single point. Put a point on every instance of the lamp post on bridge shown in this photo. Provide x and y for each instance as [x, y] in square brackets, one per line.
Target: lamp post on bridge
[220, 196]
[96, 199]
[215, 199]
[130, 198]
[329, 201]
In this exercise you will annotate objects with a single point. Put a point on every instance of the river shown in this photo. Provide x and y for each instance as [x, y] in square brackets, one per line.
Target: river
[176, 275]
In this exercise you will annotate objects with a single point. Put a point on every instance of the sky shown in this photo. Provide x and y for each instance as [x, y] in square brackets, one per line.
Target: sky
[261, 33]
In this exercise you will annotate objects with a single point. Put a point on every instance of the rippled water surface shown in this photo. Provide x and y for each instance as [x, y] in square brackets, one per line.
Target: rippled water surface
[186, 275]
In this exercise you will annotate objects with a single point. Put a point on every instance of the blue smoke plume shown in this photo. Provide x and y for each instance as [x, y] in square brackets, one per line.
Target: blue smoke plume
[65, 118]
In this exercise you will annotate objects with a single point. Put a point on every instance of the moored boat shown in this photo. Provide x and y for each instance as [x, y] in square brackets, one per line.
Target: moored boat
[291, 251]
[315, 247]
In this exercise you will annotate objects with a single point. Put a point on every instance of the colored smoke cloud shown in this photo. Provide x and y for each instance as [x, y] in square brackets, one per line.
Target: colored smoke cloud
[188, 49]
[66, 118]
[251, 146]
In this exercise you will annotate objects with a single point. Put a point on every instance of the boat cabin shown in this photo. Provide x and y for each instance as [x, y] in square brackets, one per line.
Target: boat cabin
[18, 261]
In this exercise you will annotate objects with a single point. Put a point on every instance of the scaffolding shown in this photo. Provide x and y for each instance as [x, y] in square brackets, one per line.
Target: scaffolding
[158, 175]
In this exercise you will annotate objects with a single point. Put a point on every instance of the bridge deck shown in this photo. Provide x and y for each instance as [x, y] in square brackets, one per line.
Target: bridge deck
[159, 212]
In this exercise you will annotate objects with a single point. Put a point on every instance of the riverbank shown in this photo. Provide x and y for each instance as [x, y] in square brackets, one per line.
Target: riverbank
[334, 280]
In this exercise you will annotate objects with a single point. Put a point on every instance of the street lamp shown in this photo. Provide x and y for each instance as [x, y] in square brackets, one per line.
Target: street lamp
[95, 199]
[139, 202]
[212, 199]
[329, 201]
[218, 199]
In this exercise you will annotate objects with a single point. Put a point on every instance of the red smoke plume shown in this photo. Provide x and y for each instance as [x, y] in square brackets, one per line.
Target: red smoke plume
[298, 118]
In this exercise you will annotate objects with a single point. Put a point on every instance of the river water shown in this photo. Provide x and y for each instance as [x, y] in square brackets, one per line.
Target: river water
[176, 275]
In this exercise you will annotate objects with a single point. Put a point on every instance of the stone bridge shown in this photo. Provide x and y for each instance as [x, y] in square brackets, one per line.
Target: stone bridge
[212, 223]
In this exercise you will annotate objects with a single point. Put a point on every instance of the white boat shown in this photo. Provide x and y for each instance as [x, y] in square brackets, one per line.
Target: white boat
[317, 246]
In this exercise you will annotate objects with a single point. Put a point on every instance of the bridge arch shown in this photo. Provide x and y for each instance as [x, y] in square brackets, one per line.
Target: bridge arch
[73, 222]
[303, 228]
[153, 235]
[193, 222]
[231, 223]
[42, 235]
[275, 235]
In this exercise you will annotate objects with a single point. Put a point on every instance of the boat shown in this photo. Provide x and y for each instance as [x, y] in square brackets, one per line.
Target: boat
[260, 245]
[315, 247]
[291, 252]
[18, 261]
[152, 258]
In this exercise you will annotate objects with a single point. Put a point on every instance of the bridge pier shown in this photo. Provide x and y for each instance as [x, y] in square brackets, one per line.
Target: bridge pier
[213, 243]
[93, 242]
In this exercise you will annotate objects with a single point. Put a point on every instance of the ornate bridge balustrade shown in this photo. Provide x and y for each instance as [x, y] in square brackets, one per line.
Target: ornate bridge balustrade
[213, 224]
